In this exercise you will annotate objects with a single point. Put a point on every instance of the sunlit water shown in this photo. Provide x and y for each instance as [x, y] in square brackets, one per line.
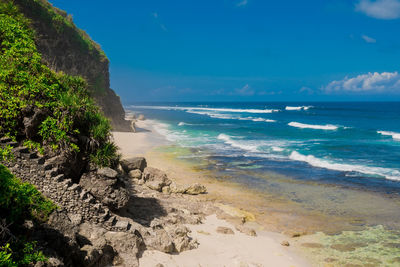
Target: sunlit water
[336, 164]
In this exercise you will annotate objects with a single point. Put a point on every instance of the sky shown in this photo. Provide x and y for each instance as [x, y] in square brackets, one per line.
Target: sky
[246, 50]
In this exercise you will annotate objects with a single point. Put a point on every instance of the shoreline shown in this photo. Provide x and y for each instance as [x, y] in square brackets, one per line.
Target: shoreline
[237, 249]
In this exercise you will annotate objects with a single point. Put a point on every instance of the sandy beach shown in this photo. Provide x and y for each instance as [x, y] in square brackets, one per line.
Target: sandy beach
[215, 248]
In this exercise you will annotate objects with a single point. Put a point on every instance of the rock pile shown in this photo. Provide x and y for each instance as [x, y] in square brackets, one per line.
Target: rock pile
[98, 211]
[156, 179]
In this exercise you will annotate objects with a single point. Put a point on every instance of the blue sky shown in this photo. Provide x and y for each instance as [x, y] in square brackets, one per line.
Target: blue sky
[246, 50]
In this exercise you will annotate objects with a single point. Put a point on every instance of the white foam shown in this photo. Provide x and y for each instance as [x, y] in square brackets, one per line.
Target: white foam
[277, 149]
[181, 123]
[298, 108]
[260, 111]
[376, 171]
[312, 126]
[255, 119]
[394, 135]
[228, 140]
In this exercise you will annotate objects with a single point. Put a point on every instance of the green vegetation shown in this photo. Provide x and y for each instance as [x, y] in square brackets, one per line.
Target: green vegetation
[62, 23]
[19, 202]
[69, 120]
[45, 110]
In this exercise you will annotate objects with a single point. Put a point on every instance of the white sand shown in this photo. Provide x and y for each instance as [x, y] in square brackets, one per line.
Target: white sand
[137, 144]
[214, 249]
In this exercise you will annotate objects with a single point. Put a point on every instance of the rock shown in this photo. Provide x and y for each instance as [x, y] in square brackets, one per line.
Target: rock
[109, 191]
[141, 117]
[181, 239]
[122, 225]
[108, 172]
[285, 243]
[98, 254]
[133, 164]
[135, 174]
[225, 230]
[246, 230]
[54, 262]
[159, 240]
[294, 234]
[76, 219]
[166, 190]
[128, 250]
[196, 189]
[174, 188]
[155, 178]
[32, 123]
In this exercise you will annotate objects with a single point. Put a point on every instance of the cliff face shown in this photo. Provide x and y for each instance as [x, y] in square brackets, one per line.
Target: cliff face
[66, 48]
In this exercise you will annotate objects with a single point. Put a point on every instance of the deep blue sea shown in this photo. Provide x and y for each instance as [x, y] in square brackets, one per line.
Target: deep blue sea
[353, 144]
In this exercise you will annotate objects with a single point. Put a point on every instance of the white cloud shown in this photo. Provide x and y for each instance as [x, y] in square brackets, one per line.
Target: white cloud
[245, 91]
[242, 3]
[385, 82]
[368, 39]
[380, 9]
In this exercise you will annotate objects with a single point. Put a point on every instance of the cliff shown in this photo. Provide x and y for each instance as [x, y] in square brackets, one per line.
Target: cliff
[66, 48]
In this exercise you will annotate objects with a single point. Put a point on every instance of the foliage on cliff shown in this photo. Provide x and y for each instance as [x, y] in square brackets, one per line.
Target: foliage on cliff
[45, 108]
[19, 202]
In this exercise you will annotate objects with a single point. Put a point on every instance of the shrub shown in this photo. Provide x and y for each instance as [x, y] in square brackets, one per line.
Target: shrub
[19, 202]
[28, 85]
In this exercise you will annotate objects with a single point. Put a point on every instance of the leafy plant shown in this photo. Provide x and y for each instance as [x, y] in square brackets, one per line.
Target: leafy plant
[27, 85]
[19, 202]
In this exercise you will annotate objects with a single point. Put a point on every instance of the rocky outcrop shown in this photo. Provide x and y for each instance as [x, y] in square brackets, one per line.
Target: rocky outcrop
[68, 49]
[92, 227]
[155, 179]
[131, 164]
[107, 186]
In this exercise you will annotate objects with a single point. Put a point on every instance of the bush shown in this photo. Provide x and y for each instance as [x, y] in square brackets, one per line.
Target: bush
[19, 202]
[27, 85]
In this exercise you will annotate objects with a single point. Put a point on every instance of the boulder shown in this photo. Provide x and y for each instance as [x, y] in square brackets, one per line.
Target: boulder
[136, 163]
[181, 239]
[155, 179]
[196, 189]
[128, 250]
[96, 250]
[178, 189]
[136, 174]
[159, 240]
[110, 191]
[107, 172]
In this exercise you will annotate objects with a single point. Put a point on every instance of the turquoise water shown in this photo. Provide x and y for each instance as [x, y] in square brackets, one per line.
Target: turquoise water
[336, 165]
[353, 144]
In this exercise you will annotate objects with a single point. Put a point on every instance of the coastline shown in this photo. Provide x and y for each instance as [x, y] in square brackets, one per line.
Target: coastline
[215, 249]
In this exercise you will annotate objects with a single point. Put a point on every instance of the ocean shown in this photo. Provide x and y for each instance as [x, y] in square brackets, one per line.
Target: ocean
[340, 160]
[357, 144]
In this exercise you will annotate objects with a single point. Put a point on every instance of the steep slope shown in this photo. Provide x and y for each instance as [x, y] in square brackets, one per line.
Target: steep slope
[68, 49]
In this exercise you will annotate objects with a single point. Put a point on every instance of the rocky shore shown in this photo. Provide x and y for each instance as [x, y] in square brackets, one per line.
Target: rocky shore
[115, 217]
